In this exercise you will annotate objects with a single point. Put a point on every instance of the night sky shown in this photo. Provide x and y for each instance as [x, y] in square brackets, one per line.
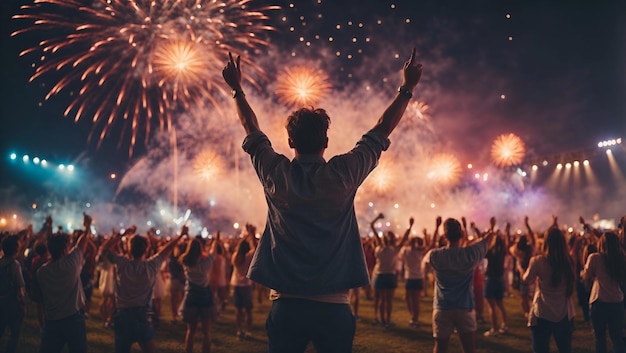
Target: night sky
[552, 72]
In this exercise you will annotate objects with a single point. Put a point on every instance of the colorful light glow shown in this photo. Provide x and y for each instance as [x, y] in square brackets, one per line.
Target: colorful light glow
[445, 169]
[302, 86]
[138, 61]
[507, 150]
[382, 178]
[208, 164]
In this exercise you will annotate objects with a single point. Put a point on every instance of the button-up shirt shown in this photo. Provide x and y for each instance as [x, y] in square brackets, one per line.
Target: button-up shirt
[311, 243]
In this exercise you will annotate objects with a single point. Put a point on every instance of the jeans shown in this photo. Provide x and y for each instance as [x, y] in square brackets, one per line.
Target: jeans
[11, 317]
[609, 315]
[70, 330]
[561, 330]
[292, 323]
[132, 325]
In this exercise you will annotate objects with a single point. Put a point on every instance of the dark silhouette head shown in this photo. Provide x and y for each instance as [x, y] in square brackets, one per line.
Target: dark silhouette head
[193, 253]
[10, 245]
[57, 244]
[138, 246]
[452, 229]
[307, 130]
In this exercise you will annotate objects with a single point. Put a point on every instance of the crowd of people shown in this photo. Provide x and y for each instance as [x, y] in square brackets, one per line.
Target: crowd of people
[313, 259]
[548, 270]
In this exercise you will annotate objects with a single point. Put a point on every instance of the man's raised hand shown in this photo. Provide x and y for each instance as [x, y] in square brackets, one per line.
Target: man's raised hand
[411, 72]
[232, 72]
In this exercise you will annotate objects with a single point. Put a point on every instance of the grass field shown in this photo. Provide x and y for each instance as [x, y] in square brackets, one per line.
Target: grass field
[369, 338]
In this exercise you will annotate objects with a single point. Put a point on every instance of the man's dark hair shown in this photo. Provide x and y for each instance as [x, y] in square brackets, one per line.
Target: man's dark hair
[452, 229]
[138, 246]
[41, 249]
[57, 244]
[10, 245]
[307, 129]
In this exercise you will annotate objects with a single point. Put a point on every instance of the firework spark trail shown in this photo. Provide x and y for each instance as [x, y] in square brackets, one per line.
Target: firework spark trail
[445, 169]
[302, 85]
[508, 150]
[139, 61]
[208, 164]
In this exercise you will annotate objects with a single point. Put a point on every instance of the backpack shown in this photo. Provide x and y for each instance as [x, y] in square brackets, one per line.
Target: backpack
[8, 288]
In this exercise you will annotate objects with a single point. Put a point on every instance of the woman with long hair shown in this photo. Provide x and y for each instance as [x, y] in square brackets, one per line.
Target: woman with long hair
[242, 286]
[494, 283]
[412, 255]
[385, 269]
[604, 272]
[552, 311]
[523, 250]
[198, 305]
[217, 276]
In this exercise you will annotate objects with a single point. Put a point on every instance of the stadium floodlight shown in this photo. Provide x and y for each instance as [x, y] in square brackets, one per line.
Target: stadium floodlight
[13, 156]
[25, 158]
[610, 142]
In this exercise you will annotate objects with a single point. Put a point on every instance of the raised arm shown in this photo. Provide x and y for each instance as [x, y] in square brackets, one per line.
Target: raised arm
[487, 236]
[110, 243]
[167, 248]
[435, 239]
[232, 76]
[555, 222]
[406, 233]
[251, 230]
[531, 234]
[377, 240]
[593, 231]
[507, 235]
[83, 240]
[411, 74]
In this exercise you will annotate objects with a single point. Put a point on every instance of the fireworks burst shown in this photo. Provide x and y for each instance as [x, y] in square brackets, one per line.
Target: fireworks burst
[208, 164]
[444, 169]
[301, 85]
[418, 110]
[382, 178]
[134, 62]
[507, 150]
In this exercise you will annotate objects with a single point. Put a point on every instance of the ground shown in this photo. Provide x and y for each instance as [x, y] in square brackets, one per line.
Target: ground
[369, 338]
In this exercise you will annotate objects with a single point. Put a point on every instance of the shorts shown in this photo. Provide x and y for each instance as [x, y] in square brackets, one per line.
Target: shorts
[243, 297]
[191, 314]
[414, 284]
[494, 288]
[445, 321]
[198, 296]
[386, 281]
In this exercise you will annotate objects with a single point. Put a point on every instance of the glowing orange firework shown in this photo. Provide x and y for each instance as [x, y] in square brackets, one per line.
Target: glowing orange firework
[382, 178]
[302, 85]
[208, 164]
[418, 110]
[136, 61]
[445, 169]
[507, 150]
[181, 64]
